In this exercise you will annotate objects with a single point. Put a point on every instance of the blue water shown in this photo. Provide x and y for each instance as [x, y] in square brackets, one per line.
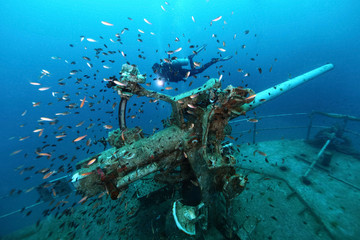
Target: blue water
[301, 35]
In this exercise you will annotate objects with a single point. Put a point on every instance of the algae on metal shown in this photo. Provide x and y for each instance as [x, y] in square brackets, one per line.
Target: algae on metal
[199, 123]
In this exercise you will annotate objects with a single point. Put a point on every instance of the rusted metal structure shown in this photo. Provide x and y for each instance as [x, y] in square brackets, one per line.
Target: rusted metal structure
[188, 149]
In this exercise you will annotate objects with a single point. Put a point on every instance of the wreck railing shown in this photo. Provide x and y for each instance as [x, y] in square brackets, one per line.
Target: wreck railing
[309, 126]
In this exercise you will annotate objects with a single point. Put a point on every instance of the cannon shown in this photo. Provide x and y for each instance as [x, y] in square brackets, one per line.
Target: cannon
[189, 148]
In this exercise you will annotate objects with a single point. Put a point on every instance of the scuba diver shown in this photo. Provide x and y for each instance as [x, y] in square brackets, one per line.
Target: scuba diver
[174, 72]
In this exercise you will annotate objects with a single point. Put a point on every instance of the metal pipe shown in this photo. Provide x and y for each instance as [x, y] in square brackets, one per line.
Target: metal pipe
[309, 127]
[137, 174]
[161, 147]
[336, 115]
[19, 210]
[317, 158]
[122, 113]
[281, 88]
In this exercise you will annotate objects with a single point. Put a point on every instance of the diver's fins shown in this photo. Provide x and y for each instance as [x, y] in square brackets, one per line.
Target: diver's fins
[225, 58]
[200, 49]
[214, 60]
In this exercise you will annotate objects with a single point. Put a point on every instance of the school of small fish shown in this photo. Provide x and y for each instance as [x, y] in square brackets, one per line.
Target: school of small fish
[84, 78]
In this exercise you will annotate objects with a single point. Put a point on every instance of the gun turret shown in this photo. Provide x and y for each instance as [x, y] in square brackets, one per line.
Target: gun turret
[192, 143]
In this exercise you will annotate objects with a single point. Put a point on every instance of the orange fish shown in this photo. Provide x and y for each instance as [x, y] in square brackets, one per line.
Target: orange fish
[119, 83]
[35, 83]
[108, 126]
[60, 136]
[168, 88]
[44, 154]
[91, 161]
[82, 102]
[79, 138]
[253, 120]
[260, 152]
[197, 64]
[191, 106]
[86, 174]
[250, 97]
[23, 138]
[217, 19]
[101, 194]
[15, 152]
[83, 199]
[167, 60]
[30, 189]
[80, 124]
[231, 137]
[48, 174]
[147, 21]
[44, 88]
[47, 119]
[107, 23]
[44, 71]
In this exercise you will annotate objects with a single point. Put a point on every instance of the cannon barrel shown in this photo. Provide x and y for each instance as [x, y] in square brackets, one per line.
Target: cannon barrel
[279, 89]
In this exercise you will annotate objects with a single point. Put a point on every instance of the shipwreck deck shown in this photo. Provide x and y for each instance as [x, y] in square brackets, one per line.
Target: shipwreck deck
[278, 205]
[275, 205]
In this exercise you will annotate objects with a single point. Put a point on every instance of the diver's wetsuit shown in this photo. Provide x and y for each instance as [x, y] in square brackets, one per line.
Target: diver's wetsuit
[173, 72]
